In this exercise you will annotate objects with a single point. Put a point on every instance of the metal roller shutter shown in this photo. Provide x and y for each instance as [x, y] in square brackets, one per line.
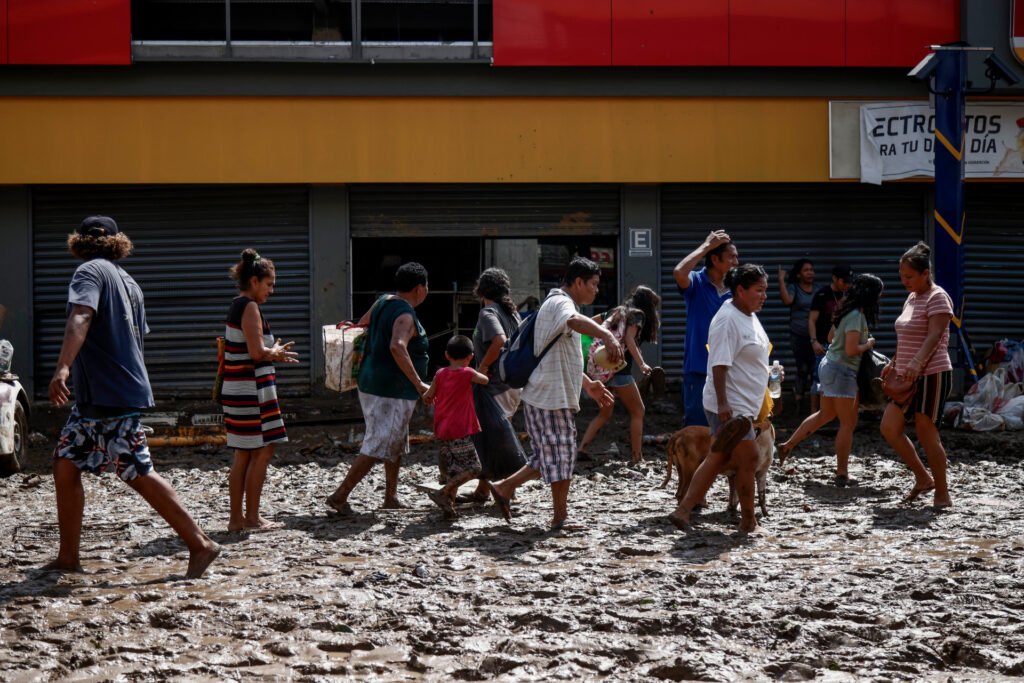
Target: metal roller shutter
[994, 262]
[483, 210]
[865, 226]
[185, 240]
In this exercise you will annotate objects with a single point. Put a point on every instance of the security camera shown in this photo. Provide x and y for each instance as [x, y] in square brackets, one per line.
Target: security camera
[925, 68]
[997, 69]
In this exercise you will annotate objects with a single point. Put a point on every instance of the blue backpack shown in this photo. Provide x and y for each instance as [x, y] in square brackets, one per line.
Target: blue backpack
[517, 360]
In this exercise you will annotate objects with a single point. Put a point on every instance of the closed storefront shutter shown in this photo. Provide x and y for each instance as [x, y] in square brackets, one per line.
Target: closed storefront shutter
[483, 210]
[185, 240]
[994, 263]
[867, 227]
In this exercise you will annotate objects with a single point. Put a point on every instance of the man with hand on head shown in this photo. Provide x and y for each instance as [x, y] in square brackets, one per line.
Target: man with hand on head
[704, 291]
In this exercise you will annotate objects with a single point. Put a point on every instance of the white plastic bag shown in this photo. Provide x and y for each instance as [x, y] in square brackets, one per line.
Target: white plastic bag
[981, 419]
[1012, 413]
[992, 391]
[343, 352]
[1016, 363]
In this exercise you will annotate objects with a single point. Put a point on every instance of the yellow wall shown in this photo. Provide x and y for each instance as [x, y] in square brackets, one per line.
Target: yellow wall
[342, 140]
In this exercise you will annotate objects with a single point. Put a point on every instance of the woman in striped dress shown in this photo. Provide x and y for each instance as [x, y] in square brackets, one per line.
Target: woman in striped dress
[252, 415]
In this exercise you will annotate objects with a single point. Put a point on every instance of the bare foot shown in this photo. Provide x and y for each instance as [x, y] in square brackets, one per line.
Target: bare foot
[59, 565]
[681, 520]
[263, 525]
[338, 505]
[750, 527]
[918, 489]
[564, 525]
[638, 458]
[236, 526]
[393, 504]
[942, 502]
[198, 562]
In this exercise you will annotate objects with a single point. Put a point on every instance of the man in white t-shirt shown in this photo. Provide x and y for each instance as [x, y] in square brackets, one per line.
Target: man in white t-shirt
[551, 398]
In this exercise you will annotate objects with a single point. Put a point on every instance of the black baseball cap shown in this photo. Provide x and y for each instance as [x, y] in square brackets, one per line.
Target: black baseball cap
[94, 224]
[842, 271]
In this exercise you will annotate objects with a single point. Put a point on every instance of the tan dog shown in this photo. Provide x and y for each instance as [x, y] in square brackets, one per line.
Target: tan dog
[688, 447]
[686, 450]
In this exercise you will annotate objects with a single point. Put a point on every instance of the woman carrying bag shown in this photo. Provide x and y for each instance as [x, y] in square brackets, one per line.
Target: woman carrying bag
[636, 321]
[837, 372]
[922, 357]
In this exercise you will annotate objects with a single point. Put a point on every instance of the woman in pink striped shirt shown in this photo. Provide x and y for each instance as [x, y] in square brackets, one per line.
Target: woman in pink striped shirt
[922, 340]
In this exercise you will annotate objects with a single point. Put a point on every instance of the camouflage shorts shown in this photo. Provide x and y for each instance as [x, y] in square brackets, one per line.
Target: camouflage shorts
[98, 445]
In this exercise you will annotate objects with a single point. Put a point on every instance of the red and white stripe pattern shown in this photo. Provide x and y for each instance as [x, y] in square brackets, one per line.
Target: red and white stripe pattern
[912, 328]
[252, 415]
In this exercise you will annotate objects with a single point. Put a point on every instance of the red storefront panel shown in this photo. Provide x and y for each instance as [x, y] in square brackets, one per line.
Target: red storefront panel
[786, 32]
[3, 31]
[547, 33]
[69, 31]
[898, 32]
[670, 32]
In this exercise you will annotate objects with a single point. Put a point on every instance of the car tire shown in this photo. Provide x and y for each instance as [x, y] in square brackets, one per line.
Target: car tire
[13, 462]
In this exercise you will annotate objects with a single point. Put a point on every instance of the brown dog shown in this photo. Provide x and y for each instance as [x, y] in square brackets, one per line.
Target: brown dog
[686, 450]
[688, 447]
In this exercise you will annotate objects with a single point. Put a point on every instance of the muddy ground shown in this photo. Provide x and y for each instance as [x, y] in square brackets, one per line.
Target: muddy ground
[841, 583]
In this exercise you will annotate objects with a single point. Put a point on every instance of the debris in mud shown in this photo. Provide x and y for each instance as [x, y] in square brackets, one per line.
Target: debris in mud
[841, 582]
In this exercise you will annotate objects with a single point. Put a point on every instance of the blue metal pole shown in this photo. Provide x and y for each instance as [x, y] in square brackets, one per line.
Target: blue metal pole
[950, 124]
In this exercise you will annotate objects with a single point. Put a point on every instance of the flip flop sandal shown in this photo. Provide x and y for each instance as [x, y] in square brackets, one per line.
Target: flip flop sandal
[502, 502]
[730, 434]
[442, 501]
[472, 498]
[565, 525]
[340, 508]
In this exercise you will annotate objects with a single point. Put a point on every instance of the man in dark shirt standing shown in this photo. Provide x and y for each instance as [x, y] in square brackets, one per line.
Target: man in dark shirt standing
[102, 352]
[819, 320]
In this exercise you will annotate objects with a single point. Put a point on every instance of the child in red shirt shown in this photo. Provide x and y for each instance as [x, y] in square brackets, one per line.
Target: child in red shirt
[455, 420]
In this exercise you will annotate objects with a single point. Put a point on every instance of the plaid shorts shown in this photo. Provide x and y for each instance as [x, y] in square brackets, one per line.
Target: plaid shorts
[97, 445]
[458, 456]
[553, 441]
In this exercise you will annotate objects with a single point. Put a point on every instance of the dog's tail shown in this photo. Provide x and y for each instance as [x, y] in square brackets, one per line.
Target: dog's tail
[670, 449]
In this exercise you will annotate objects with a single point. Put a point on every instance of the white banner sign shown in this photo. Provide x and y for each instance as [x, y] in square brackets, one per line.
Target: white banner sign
[897, 141]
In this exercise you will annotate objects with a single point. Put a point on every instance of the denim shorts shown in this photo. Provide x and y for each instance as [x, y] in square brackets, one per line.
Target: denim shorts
[620, 381]
[837, 380]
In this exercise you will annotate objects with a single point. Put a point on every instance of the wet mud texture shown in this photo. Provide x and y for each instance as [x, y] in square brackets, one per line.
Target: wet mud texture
[840, 583]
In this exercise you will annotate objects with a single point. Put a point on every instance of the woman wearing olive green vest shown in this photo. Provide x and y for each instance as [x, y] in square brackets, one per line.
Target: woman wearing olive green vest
[390, 384]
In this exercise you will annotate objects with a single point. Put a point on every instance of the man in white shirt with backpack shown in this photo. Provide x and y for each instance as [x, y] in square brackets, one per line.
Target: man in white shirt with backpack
[551, 397]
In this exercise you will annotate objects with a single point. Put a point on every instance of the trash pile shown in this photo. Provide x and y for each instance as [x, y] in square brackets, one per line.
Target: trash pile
[996, 402]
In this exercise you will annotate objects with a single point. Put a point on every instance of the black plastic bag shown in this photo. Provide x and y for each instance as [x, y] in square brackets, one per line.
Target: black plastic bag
[871, 365]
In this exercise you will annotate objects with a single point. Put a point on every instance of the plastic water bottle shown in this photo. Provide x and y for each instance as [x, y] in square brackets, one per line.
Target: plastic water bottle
[775, 380]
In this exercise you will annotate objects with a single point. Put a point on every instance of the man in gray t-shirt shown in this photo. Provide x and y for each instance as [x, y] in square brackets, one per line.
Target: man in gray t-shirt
[102, 355]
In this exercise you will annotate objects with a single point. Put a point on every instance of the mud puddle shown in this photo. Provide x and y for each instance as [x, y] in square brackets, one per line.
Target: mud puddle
[840, 583]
